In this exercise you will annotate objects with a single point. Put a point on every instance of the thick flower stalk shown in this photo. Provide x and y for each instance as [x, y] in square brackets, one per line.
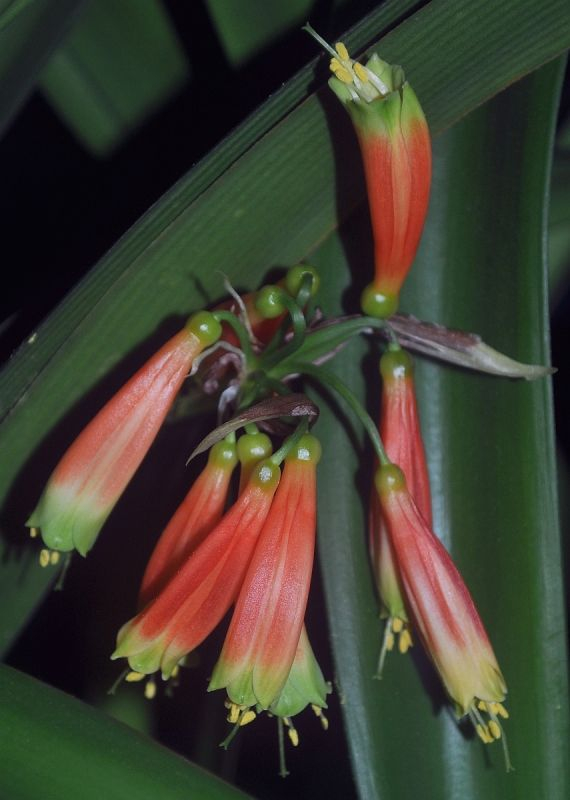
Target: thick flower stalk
[442, 610]
[197, 515]
[88, 481]
[264, 633]
[200, 593]
[401, 434]
[396, 151]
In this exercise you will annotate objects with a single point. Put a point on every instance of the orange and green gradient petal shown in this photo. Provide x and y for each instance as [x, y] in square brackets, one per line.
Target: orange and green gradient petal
[396, 152]
[202, 590]
[442, 610]
[88, 481]
[262, 640]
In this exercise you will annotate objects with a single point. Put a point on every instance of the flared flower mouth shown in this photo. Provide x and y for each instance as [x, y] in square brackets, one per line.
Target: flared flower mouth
[442, 611]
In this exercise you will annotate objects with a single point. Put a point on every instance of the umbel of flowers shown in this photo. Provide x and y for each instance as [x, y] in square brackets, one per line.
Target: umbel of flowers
[243, 539]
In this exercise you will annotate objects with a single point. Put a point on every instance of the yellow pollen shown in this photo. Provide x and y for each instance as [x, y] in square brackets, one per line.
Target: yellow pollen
[404, 642]
[54, 557]
[247, 717]
[390, 641]
[293, 736]
[343, 75]
[482, 705]
[135, 677]
[44, 557]
[495, 729]
[484, 734]
[342, 51]
[150, 690]
[233, 716]
[175, 671]
[397, 624]
[500, 710]
[360, 72]
[34, 533]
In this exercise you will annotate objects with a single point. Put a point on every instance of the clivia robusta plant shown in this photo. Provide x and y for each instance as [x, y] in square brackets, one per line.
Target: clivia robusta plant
[243, 539]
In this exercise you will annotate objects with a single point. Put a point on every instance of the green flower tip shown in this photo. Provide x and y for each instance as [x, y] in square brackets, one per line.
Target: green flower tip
[389, 478]
[205, 327]
[223, 454]
[296, 275]
[396, 364]
[308, 448]
[253, 447]
[377, 303]
[269, 302]
[266, 475]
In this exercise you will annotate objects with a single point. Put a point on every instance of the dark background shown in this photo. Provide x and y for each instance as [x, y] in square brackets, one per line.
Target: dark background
[76, 207]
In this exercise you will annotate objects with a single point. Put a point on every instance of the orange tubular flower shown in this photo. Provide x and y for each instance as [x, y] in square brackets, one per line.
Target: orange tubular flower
[198, 514]
[442, 610]
[96, 469]
[396, 150]
[265, 629]
[401, 435]
[196, 598]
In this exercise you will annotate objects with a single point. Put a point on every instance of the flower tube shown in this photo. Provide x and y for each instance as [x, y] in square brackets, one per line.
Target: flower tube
[88, 481]
[442, 610]
[196, 598]
[396, 151]
[264, 633]
[197, 515]
[401, 434]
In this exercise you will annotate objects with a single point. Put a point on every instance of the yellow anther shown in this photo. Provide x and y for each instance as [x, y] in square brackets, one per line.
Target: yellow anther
[342, 51]
[247, 717]
[150, 690]
[390, 641]
[397, 624]
[293, 736]
[34, 532]
[482, 705]
[334, 65]
[484, 734]
[317, 710]
[44, 557]
[54, 557]
[135, 677]
[500, 710]
[175, 671]
[495, 729]
[235, 711]
[360, 72]
[405, 641]
[343, 75]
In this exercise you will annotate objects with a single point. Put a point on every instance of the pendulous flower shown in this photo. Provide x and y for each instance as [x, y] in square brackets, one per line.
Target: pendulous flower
[401, 434]
[264, 633]
[442, 610]
[88, 481]
[396, 151]
[196, 598]
[197, 515]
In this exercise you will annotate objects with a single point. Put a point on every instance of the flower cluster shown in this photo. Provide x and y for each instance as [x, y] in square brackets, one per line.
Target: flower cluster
[246, 544]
